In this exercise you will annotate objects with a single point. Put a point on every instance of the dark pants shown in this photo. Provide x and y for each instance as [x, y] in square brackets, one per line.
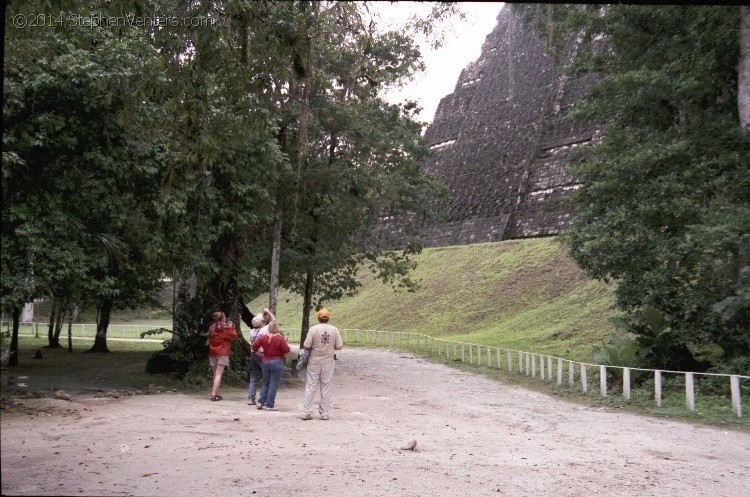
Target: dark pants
[253, 365]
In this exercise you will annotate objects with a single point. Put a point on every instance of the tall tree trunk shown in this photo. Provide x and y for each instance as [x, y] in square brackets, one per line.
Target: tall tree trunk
[16, 317]
[70, 328]
[102, 324]
[54, 311]
[184, 290]
[307, 305]
[305, 77]
[58, 325]
[273, 294]
[744, 69]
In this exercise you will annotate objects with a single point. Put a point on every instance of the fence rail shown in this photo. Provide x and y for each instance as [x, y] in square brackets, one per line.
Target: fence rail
[557, 370]
[88, 330]
[548, 368]
[115, 330]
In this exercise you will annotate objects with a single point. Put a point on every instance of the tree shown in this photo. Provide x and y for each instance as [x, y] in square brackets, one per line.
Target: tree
[349, 171]
[664, 208]
[743, 95]
[78, 193]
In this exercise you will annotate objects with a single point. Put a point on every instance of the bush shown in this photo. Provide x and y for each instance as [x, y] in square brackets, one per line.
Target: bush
[622, 353]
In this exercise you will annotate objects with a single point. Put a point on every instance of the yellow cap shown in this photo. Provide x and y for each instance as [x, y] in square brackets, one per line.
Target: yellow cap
[324, 314]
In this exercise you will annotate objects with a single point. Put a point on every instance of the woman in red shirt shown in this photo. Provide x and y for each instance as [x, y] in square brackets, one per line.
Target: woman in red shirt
[275, 348]
[221, 334]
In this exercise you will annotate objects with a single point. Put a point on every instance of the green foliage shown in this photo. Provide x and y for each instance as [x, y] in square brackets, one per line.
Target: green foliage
[664, 207]
[176, 145]
[620, 352]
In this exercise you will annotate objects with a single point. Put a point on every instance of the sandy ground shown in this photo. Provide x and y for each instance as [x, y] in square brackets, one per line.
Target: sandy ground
[474, 437]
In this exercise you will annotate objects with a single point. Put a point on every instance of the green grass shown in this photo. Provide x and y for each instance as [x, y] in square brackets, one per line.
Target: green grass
[520, 294]
[122, 369]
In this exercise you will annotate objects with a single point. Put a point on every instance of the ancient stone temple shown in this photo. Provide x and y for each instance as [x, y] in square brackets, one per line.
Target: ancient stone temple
[502, 140]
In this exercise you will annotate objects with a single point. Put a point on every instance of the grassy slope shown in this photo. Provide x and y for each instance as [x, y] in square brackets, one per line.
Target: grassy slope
[521, 294]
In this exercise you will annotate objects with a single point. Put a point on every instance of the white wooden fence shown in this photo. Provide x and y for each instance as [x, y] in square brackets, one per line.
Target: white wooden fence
[88, 330]
[544, 367]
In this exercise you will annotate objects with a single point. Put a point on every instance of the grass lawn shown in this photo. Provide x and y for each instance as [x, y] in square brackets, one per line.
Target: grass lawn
[519, 294]
[122, 369]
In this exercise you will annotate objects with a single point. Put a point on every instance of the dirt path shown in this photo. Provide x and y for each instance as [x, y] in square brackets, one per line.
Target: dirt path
[474, 437]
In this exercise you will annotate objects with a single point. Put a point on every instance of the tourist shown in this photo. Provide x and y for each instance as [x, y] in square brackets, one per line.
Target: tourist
[260, 328]
[221, 334]
[275, 347]
[323, 340]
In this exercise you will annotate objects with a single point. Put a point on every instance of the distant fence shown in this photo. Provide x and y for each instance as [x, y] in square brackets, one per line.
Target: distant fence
[551, 369]
[563, 372]
[88, 330]
[115, 330]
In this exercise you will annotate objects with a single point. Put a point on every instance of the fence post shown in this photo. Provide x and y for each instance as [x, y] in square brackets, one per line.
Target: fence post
[549, 367]
[559, 371]
[471, 354]
[603, 380]
[541, 367]
[497, 351]
[510, 362]
[463, 352]
[489, 357]
[584, 381]
[734, 386]
[657, 388]
[626, 383]
[528, 365]
[520, 362]
[689, 392]
[571, 374]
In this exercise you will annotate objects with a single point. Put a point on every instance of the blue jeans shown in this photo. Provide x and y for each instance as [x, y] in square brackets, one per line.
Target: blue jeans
[272, 371]
[254, 368]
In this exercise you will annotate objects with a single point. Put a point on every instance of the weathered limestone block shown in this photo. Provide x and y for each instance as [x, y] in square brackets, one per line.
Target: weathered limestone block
[502, 140]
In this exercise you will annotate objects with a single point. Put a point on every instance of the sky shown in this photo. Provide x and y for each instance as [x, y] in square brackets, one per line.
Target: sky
[463, 45]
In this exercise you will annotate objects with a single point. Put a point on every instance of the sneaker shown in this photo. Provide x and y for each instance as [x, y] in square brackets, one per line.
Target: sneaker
[306, 416]
[266, 408]
[251, 402]
[324, 417]
[260, 405]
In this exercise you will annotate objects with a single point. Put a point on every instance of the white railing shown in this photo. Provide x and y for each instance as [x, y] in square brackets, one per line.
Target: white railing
[115, 330]
[546, 367]
[88, 330]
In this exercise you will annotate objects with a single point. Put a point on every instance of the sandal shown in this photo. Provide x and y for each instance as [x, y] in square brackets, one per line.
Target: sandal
[216, 397]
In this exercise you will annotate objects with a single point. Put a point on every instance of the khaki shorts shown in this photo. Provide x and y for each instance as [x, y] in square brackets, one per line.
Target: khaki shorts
[222, 360]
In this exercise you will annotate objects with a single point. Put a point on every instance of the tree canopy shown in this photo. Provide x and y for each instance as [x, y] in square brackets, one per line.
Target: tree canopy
[138, 151]
[665, 207]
